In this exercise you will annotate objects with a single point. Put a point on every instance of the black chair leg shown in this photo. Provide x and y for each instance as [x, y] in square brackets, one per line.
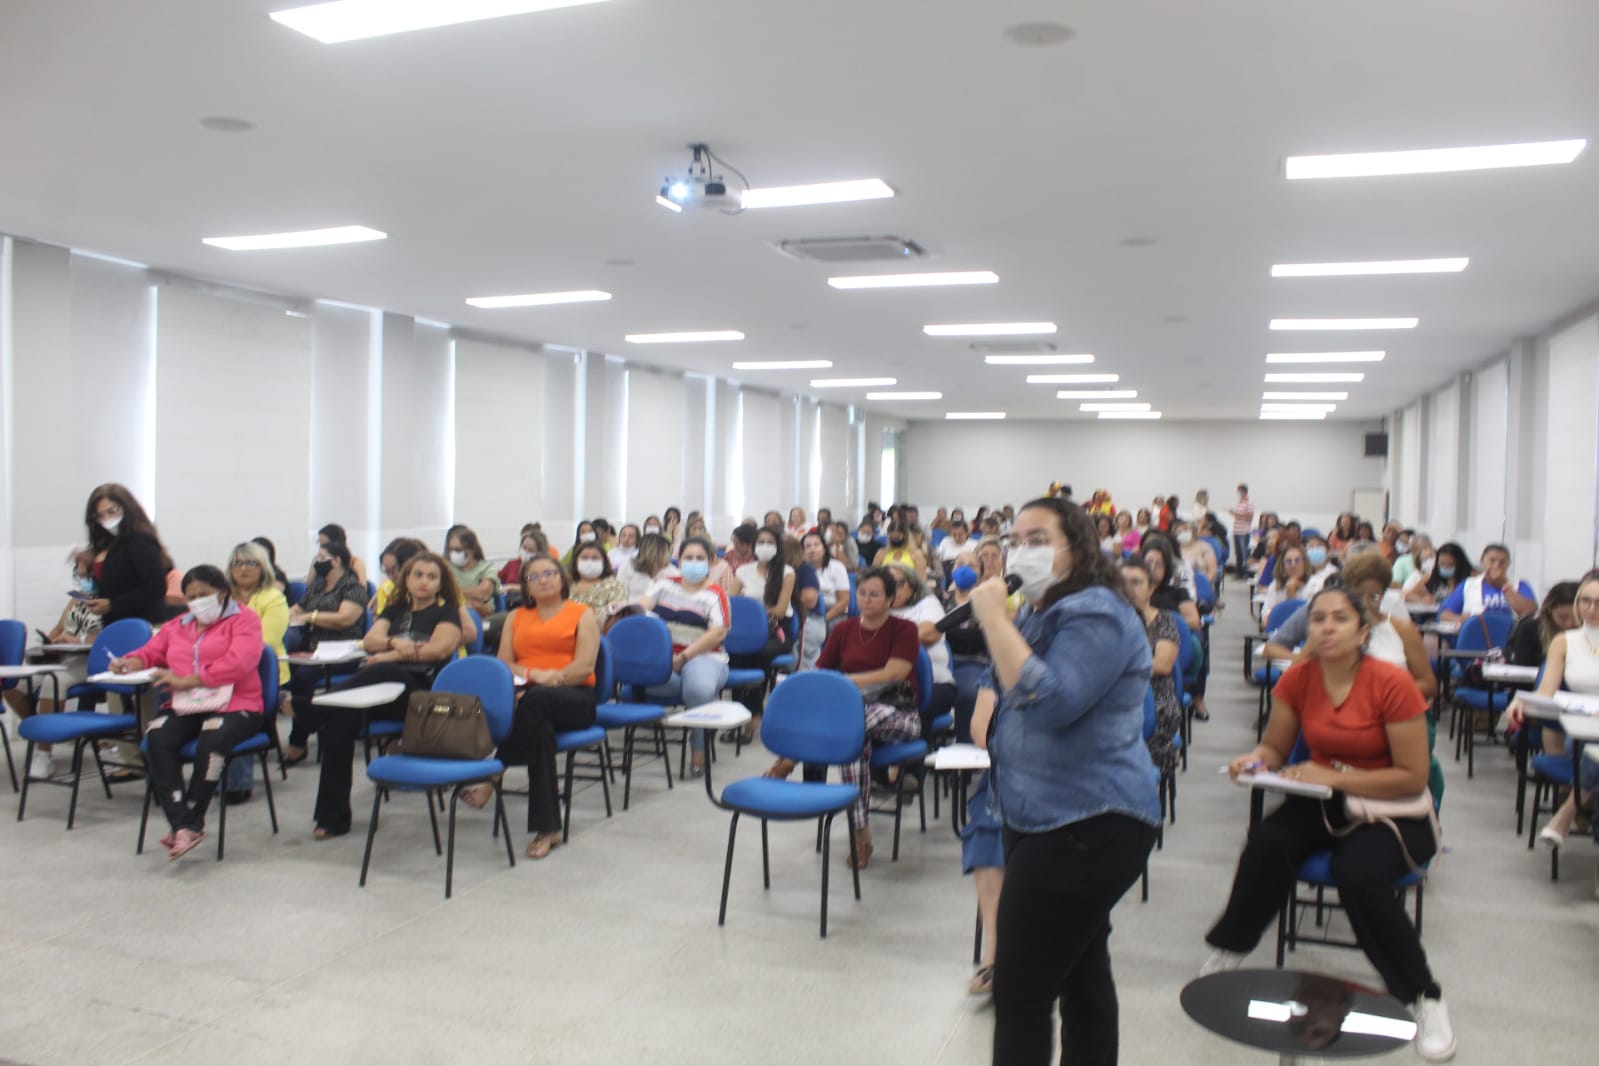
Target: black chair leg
[854, 867]
[827, 854]
[449, 852]
[899, 805]
[977, 939]
[627, 766]
[371, 831]
[607, 773]
[266, 779]
[99, 763]
[727, 869]
[77, 776]
[501, 819]
[222, 806]
[144, 818]
[766, 861]
[433, 817]
[566, 797]
[27, 776]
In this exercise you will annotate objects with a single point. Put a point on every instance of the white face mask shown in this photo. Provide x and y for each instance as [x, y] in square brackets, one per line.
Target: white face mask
[206, 609]
[766, 552]
[458, 558]
[524, 555]
[590, 568]
[110, 524]
[652, 529]
[1036, 567]
[1428, 564]
[1185, 537]
[585, 538]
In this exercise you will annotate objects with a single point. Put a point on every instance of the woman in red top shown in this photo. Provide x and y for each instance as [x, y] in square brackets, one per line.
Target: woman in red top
[209, 659]
[1364, 722]
[551, 644]
[878, 652]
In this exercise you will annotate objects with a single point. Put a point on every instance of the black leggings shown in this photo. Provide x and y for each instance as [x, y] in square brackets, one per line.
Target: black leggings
[214, 735]
[753, 697]
[1365, 865]
[1054, 938]
[541, 713]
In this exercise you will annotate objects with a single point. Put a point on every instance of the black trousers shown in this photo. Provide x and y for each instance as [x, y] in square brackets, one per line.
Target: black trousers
[1053, 938]
[302, 686]
[754, 697]
[541, 713]
[1365, 866]
[214, 735]
[336, 729]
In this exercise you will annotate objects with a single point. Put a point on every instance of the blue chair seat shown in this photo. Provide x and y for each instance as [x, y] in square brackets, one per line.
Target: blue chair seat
[1556, 768]
[86, 689]
[384, 728]
[1477, 699]
[886, 755]
[784, 662]
[767, 797]
[578, 739]
[621, 715]
[1267, 675]
[1317, 870]
[73, 725]
[249, 746]
[943, 723]
[415, 771]
[743, 678]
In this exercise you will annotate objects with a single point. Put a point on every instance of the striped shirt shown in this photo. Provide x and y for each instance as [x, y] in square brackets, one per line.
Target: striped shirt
[688, 614]
[1243, 517]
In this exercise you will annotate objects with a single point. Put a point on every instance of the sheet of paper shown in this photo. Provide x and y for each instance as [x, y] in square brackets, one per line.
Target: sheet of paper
[1270, 782]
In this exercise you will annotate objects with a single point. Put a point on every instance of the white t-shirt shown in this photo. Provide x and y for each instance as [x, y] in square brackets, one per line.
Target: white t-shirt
[833, 579]
[688, 614]
[620, 556]
[749, 575]
[948, 549]
[928, 609]
[638, 585]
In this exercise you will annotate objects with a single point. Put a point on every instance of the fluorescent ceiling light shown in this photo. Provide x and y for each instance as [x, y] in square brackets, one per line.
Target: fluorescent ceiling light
[1325, 357]
[1433, 160]
[914, 281]
[851, 383]
[1343, 323]
[671, 205]
[1293, 416]
[1140, 415]
[1388, 266]
[540, 299]
[353, 20]
[305, 238]
[1332, 378]
[785, 364]
[689, 337]
[1269, 406]
[1073, 379]
[1097, 394]
[1304, 396]
[904, 395]
[1038, 360]
[990, 329]
[974, 416]
[827, 192]
[1113, 407]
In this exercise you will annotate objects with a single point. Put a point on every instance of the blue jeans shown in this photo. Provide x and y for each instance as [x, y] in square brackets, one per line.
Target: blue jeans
[1241, 553]
[699, 682]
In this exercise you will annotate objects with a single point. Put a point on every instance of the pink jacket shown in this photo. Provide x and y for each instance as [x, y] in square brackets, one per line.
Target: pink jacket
[228, 653]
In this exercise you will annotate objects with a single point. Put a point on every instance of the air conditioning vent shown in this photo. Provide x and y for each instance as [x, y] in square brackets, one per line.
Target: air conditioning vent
[852, 249]
[1014, 347]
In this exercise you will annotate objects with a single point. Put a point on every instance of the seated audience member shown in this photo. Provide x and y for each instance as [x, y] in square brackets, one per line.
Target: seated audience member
[251, 585]
[586, 534]
[1364, 721]
[1319, 563]
[594, 584]
[1394, 639]
[1167, 594]
[797, 526]
[208, 663]
[1143, 522]
[1200, 556]
[866, 546]
[626, 546]
[652, 562]
[1109, 544]
[771, 580]
[333, 608]
[1389, 545]
[1287, 581]
[552, 642]
[959, 540]
[672, 526]
[396, 553]
[1419, 547]
[1131, 536]
[993, 528]
[1530, 640]
[77, 625]
[474, 575]
[1573, 665]
[878, 653]
[418, 632]
[901, 552]
[532, 543]
[333, 533]
[1163, 678]
[652, 524]
[915, 602]
[696, 613]
[1449, 570]
[740, 553]
[278, 576]
[1343, 533]
[1491, 590]
[841, 546]
[832, 577]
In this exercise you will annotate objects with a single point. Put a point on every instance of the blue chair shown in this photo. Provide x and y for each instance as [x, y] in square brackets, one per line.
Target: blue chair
[907, 754]
[1548, 774]
[490, 681]
[85, 727]
[746, 635]
[854, 608]
[1265, 677]
[258, 745]
[13, 646]
[475, 645]
[938, 536]
[1204, 597]
[1480, 633]
[639, 654]
[1150, 720]
[296, 592]
[1190, 658]
[814, 717]
[573, 741]
[785, 663]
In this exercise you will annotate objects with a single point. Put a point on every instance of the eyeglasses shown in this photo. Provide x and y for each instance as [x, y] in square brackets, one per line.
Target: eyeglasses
[543, 575]
[110, 512]
[1587, 603]
[247, 564]
[1040, 539]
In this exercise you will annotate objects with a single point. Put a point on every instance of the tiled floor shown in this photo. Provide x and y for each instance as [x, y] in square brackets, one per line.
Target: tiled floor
[608, 952]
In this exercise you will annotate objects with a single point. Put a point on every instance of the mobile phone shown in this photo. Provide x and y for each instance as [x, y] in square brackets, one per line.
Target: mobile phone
[80, 595]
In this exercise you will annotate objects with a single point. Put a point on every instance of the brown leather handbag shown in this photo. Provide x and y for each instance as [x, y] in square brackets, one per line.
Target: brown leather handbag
[446, 725]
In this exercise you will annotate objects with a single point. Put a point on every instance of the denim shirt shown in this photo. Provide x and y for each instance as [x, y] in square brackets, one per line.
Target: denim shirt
[1068, 738]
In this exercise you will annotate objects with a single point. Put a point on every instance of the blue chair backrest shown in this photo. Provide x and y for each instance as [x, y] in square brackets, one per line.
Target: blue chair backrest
[1281, 613]
[1218, 546]
[747, 633]
[1188, 658]
[639, 651]
[475, 645]
[487, 678]
[116, 640]
[1149, 713]
[1266, 570]
[371, 591]
[815, 716]
[1479, 632]
[13, 645]
[604, 683]
[1204, 591]
[296, 592]
[854, 608]
[268, 669]
[938, 536]
[501, 605]
[924, 679]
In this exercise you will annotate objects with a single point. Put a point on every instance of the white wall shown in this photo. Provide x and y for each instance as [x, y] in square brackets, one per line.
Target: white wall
[1302, 470]
[1570, 429]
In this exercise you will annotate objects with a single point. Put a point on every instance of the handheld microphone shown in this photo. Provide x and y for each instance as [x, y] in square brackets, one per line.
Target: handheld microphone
[1013, 583]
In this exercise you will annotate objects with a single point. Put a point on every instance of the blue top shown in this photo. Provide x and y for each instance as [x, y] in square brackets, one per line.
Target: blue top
[1493, 599]
[1068, 738]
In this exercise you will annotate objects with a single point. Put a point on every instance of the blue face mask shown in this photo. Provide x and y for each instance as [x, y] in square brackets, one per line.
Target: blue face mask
[1446, 571]
[963, 577]
[695, 571]
[86, 584]
[1316, 556]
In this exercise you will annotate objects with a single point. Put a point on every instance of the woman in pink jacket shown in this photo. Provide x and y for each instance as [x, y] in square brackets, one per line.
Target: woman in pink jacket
[207, 662]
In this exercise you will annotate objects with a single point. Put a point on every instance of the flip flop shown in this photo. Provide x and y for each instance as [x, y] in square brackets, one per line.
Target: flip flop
[477, 796]
[183, 842]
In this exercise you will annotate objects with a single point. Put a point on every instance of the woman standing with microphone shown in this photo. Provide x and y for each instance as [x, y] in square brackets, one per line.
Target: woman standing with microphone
[1072, 782]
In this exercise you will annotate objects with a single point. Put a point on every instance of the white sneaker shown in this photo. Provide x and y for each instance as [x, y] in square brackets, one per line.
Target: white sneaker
[43, 766]
[1435, 1037]
[1221, 962]
[1551, 837]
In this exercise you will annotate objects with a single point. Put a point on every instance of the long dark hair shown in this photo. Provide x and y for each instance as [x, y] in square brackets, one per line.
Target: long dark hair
[774, 569]
[1090, 568]
[1157, 542]
[134, 519]
[1463, 568]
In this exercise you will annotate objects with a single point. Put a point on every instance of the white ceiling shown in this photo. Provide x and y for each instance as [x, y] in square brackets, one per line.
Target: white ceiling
[522, 154]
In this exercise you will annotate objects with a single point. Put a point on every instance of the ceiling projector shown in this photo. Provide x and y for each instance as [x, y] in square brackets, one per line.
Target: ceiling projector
[699, 188]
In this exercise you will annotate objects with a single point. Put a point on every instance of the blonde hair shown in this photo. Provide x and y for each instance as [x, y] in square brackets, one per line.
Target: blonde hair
[251, 552]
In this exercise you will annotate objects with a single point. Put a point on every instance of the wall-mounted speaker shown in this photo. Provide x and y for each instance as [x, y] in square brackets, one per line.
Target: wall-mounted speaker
[1376, 446]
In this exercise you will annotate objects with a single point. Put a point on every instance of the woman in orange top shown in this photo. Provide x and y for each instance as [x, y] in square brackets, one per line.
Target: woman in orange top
[552, 646]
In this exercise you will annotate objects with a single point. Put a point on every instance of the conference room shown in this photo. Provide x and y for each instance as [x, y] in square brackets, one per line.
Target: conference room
[605, 375]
